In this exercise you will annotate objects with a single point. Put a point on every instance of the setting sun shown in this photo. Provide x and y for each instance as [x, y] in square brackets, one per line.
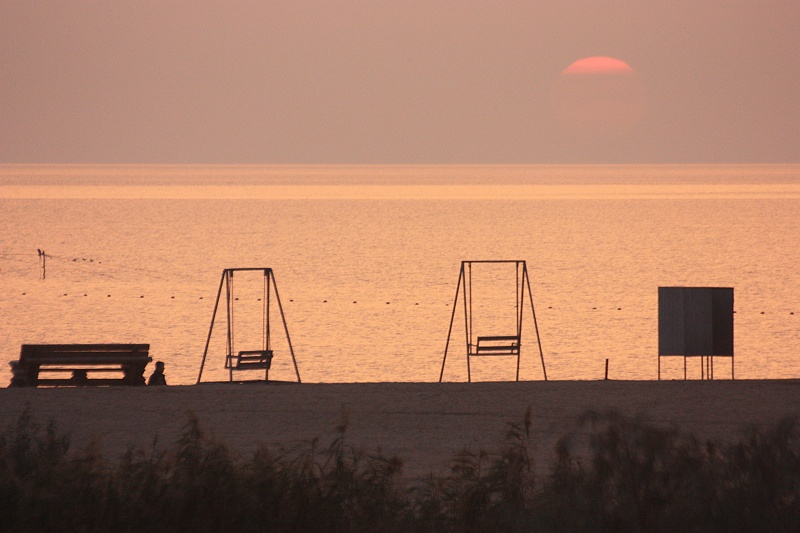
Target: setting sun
[598, 96]
[597, 65]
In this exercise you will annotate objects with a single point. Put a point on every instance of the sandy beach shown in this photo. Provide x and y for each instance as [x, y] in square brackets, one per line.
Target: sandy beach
[423, 423]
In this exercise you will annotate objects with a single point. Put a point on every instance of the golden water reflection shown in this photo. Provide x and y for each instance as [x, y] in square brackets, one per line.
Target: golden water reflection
[405, 192]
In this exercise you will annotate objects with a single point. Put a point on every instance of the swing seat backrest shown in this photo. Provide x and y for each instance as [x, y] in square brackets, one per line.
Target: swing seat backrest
[497, 345]
[253, 359]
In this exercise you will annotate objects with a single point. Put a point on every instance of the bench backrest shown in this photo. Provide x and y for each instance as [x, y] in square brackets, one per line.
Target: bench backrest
[34, 353]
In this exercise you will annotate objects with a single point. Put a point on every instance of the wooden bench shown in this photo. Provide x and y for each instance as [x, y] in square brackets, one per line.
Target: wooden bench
[252, 360]
[498, 345]
[82, 362]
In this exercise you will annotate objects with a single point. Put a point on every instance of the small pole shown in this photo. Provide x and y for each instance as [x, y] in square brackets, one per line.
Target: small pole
[606, 369]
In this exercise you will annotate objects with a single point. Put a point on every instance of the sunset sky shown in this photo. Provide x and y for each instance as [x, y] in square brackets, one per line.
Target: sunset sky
[411, 81]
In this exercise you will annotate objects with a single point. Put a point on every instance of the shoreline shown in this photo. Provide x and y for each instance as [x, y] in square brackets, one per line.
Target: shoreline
[424, 424]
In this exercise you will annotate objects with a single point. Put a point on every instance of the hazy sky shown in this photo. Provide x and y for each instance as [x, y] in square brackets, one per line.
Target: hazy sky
[406, 81]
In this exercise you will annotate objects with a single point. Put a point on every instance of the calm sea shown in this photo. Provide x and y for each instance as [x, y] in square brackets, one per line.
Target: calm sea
[367, 258]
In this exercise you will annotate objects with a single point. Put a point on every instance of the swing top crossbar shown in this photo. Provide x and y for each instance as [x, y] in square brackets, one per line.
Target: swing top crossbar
[484, 261]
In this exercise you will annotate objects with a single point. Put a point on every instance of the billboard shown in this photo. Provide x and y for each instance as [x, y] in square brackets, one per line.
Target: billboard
[695, 321]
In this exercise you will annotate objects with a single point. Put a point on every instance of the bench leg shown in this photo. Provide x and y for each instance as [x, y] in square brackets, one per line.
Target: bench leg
[134, 374]
[23, 376]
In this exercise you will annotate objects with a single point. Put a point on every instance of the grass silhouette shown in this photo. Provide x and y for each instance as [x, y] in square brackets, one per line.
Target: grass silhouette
[616, 474]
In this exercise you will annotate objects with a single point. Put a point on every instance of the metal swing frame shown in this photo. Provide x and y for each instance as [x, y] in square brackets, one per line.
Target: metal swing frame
[248, 359]
[494, 345]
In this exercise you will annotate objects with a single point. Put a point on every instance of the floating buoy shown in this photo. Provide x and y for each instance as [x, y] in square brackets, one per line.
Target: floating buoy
[416, 303]
[108, 296]
[84, 295]
[23, 294]
[142, 296]
[619, 309]
[355, 302]
[172, 297]
[762, 312]
[324, 301]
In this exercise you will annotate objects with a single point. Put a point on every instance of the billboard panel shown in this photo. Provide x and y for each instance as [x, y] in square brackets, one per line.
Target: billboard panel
[695, 321]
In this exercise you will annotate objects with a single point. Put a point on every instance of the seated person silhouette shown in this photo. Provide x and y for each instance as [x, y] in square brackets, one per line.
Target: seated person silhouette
[157, 377]
[79, 378]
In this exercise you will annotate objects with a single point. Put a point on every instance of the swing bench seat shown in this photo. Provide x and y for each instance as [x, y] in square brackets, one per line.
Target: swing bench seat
[497, 345]
[253, 359]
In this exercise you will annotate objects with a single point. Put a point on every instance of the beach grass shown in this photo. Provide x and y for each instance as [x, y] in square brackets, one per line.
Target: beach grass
[616, 473]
